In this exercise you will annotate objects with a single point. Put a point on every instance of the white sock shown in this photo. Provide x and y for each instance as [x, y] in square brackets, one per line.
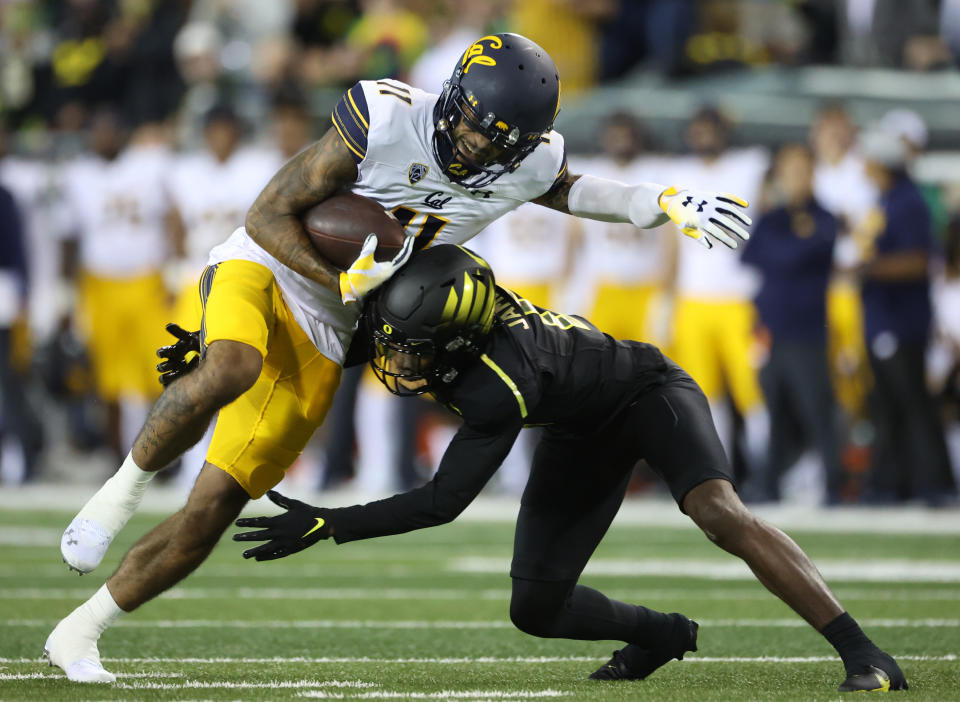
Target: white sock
[100, 611]
[114, 503]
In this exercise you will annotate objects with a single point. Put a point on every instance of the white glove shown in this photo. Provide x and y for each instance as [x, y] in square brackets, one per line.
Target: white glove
[700, 214]
[365, 274]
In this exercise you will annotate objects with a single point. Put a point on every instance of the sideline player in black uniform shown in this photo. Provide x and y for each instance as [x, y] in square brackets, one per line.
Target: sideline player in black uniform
[440, 325]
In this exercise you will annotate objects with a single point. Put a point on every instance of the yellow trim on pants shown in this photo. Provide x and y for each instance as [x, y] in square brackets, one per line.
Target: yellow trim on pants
[713, 342]
[122, 322]
[260, 434]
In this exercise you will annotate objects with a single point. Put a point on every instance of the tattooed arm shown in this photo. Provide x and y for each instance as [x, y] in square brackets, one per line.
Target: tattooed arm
[273, 221]
[556, 197]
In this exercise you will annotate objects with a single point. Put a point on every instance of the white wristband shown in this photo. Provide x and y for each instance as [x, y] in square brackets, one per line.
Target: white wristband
[612, 201]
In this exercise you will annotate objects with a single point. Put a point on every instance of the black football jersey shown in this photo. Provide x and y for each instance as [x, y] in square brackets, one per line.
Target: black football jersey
[539, 368]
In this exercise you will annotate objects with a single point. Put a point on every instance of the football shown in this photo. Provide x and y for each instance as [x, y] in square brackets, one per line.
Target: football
[339, 225]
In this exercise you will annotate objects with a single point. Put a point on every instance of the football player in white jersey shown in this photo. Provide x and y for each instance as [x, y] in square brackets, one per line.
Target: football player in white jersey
[278, 318]
[841, 185]
[211, 191]
[714, 312]
[626, 270]
[117, 207]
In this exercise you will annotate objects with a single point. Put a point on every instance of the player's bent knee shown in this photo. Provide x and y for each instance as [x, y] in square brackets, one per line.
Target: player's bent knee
[531, 618]
[230, 368]
[716, 509]
[534, 606]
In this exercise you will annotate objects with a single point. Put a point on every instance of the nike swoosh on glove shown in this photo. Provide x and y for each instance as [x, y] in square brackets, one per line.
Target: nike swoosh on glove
[300, 527]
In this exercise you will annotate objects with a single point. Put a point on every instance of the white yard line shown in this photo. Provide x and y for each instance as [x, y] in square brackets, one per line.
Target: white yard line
[56, 673]
[414, 593]
[479, 659]
[940, 573]
[448, 624]
[652, 512]
[443, 695]
[273, 684]
[267, 593]
[834, 570]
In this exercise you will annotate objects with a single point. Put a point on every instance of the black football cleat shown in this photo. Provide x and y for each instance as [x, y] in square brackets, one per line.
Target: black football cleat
[872, 671]
[635, 663]
[873, 678]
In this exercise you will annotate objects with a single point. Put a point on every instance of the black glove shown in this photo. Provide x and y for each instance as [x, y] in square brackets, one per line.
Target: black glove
[176, 364]
[302, 525]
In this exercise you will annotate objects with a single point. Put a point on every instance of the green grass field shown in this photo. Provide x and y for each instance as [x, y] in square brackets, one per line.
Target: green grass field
[424, 616]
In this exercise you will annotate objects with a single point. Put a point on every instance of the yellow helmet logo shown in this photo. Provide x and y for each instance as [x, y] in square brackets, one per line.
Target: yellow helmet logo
[501, 125]
[475, 53]
[387, 329]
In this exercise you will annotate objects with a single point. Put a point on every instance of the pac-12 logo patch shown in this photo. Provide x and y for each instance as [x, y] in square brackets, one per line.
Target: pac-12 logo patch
[416, 172]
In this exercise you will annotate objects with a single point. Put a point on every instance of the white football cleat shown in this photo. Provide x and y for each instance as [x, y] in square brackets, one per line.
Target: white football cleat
[84, 544]
[75, 652]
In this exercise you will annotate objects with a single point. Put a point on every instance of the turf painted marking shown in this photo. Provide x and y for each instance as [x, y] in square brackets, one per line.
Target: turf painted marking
[202, 685]
[444, 695]
[480, 659]
[269, 593]
[835, 570]
[448, 624]
[58, 674]
[29, 536]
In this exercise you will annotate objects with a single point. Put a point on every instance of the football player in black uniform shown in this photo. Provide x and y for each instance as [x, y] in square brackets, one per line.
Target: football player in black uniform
[441, 325]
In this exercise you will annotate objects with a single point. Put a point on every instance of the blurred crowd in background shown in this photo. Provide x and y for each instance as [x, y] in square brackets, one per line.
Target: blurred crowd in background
[136, 133]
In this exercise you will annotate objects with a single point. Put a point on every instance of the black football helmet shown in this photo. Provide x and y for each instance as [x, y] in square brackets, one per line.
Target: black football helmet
[431, 319]
[506, 88]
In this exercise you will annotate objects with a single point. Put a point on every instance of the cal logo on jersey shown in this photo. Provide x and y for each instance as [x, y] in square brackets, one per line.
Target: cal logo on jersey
[416, 172]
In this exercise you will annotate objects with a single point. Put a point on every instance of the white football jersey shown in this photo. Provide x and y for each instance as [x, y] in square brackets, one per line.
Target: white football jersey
[717, 273]
[213, 197]
[528, 245]
[844, 189]
[618, 253]
[388, 127]
[117, 210]
[36, 188]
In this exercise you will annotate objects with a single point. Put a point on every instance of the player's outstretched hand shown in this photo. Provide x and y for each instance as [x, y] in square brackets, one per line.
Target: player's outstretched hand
[302, 525]
[366, 273]
[705, 216]
[175, 363]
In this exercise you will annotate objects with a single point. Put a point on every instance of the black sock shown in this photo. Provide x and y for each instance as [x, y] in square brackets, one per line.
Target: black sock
[845, 635]
[654, 629]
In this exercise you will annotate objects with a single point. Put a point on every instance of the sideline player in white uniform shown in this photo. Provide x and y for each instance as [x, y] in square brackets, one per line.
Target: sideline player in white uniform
[211, 191]
[117, 207]
[841, 185]
[714, 313]
[278, 318]
[532, 246]
[625, 270]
